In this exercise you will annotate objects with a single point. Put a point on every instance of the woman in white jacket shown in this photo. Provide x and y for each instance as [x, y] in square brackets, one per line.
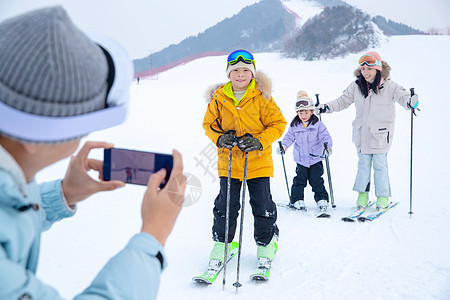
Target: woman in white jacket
[374, 95]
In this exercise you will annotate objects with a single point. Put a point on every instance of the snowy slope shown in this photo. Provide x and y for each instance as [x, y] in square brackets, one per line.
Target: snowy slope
[303, 9]
[395, 257]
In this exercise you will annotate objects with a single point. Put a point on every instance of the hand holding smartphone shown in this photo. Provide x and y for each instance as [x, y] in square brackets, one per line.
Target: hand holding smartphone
[160, 208]
[135, 167]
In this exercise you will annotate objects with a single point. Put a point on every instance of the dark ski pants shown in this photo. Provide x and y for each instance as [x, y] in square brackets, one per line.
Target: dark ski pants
[312, 174]
[263, 208]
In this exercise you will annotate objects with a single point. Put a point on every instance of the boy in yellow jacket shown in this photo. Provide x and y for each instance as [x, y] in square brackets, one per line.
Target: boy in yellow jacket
[244, 105]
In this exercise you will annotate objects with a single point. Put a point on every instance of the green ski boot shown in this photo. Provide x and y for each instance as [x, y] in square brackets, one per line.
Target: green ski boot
[363, 199]
[269, 250]
[265, 256]
[216, 262]
[382, 202]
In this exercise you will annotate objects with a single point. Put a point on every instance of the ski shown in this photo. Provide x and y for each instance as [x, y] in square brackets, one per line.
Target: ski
[354, 216]
[291, 207]
[323, 215]
[378, 214]
[262, 272]
[213, 270]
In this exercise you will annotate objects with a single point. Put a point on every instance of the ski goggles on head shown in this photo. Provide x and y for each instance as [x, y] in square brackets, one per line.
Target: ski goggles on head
[369, 60]
[240, 55]
[303, 104]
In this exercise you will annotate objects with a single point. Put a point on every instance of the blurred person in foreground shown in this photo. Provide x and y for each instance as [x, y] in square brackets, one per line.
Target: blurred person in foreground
[56, 86]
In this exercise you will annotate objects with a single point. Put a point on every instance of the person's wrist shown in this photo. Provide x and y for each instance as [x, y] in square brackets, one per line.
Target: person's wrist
[67, 194]
[157, 234]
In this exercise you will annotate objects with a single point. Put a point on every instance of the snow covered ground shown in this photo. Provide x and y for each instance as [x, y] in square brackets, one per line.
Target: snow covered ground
[394, 257]
[303, 9]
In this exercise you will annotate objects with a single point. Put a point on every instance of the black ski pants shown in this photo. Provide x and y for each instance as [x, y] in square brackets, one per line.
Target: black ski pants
[312, 174]
[263, 208]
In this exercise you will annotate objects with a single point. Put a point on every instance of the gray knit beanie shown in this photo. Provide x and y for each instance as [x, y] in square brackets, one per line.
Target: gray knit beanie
[48, 67]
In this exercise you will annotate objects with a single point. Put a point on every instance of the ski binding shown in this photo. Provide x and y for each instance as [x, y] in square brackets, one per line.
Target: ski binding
[263, 270]
[215, 266]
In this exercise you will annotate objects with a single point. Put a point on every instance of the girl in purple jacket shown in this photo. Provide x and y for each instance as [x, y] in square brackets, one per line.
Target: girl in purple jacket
[308, 135]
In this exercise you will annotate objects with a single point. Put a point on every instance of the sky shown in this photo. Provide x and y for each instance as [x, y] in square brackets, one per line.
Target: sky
[147, 26]
[420, 14]
[142, 26]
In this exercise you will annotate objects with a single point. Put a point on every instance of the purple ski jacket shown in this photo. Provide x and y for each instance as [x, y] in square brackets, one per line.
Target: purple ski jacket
[308, 142]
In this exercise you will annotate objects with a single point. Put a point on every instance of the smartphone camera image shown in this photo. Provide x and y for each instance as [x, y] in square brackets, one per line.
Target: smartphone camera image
[135, 167]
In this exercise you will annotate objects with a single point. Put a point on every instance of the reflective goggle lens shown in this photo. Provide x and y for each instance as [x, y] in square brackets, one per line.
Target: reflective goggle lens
[240, 55]
[303, 103]
[369, 60]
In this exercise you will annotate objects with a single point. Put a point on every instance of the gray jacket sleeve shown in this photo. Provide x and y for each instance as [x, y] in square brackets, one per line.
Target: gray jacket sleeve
[400, 94]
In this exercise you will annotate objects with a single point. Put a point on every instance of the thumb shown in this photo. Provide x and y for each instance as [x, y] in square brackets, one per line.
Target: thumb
[156, 179]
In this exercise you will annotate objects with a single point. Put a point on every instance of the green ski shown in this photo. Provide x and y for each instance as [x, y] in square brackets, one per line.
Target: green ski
[378, 214]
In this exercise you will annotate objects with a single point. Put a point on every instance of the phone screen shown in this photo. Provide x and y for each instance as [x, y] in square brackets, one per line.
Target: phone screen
[135, 167]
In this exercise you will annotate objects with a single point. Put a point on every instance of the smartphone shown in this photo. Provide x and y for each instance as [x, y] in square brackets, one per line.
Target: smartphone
[135, 167]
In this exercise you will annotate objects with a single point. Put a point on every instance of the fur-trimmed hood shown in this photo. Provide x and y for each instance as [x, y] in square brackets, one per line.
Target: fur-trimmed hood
[263, 84]
[385, 72]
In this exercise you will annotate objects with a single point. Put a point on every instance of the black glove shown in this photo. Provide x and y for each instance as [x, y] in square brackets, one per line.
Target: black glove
[227, 140]
[323, 108]
[249, 143]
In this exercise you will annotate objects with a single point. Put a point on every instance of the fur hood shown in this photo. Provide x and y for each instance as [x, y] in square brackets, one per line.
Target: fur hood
[385, 72]
[263, 84]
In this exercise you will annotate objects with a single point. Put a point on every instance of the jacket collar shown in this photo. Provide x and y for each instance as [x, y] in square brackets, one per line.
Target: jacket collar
[310, 126]
[228, 91]
[262, 84]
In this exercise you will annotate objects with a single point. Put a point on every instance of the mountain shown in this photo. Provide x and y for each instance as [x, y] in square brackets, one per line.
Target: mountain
[306, 29]
[336, 31]
[260, 27]
[390, 27]
[331, 3]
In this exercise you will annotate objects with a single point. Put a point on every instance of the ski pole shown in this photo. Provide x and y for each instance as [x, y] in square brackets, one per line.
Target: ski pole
[227, 214]
[237, 284]
[411, 159]
[284, 168]
[317, 104]
[325, 145]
